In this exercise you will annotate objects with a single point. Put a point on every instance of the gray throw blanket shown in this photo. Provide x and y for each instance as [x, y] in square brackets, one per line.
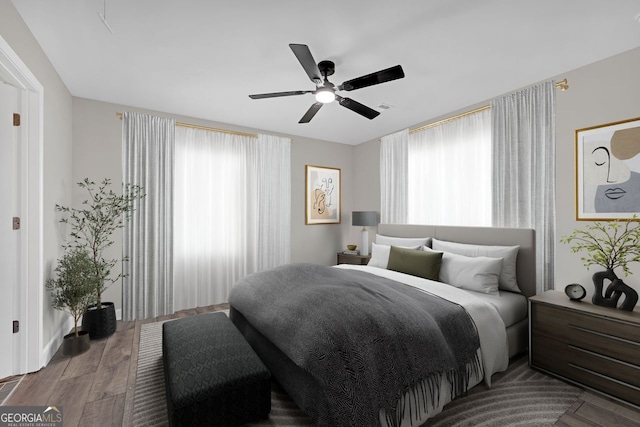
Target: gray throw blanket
[365, 339]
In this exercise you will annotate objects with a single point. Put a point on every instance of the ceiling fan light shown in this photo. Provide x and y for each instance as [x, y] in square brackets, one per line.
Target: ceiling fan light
[325, 96]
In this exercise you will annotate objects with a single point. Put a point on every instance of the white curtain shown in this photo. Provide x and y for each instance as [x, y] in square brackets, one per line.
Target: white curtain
[524, 169]
[148, 161]
[450, 172]
[394, 178]
[273, 176]
[232, 211]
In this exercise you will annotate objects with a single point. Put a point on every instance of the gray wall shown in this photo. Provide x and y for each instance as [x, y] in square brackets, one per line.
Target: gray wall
[603, 92]
[599, 93]
[97, 154]
[57, 145]
[366, 182]
[319, 243]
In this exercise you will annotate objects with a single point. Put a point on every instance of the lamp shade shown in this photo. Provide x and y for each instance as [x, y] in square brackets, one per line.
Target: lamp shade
[364, 218]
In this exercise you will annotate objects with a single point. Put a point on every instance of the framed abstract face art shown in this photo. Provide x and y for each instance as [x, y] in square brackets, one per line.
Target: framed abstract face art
[322, 195]
[608, 171]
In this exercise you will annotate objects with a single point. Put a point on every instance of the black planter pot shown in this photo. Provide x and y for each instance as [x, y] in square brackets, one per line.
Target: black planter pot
[72, 345]
[100, 322]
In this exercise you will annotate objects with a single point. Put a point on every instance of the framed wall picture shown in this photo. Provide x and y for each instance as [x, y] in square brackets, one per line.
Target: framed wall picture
[323, 194]
[608, 171]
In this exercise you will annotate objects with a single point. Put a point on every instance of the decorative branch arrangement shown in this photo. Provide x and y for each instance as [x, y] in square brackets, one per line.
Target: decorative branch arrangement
[610, 245]
[93, 225]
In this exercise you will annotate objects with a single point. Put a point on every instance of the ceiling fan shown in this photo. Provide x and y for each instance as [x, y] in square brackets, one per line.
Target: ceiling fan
[326, 91]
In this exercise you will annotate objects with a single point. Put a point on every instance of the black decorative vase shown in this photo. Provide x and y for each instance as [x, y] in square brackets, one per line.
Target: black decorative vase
[100, 322]
[614, 291]
[73, 346]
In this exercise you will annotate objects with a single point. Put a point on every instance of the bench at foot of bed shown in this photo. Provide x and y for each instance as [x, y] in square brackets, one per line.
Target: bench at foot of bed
[212, 375]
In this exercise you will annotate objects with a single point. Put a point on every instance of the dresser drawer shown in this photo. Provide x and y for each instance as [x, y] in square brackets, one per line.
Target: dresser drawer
[609, 337]
[353, 259]
[586, 369]
[570, 360]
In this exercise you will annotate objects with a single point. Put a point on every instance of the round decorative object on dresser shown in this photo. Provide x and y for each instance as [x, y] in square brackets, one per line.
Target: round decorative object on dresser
[575, 291]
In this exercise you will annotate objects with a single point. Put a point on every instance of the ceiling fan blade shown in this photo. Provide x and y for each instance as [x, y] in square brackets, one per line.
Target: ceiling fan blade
[276, 94]
[361, 109]
[378, 77]
[302, 52]
[310, 113]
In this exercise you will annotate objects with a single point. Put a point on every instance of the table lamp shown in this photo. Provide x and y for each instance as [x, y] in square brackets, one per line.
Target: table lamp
[364, 218]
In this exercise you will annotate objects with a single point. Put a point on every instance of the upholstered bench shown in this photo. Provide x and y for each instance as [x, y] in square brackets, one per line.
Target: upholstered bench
[212, 375]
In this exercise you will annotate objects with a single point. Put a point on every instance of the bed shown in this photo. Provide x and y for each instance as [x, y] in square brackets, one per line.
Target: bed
[338, 396]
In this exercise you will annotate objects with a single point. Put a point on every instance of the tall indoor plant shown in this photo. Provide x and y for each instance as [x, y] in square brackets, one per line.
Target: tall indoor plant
[611, 245]
[73, 291]
[92, 227]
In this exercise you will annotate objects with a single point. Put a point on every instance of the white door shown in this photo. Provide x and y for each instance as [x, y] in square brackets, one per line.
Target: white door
[9, 238]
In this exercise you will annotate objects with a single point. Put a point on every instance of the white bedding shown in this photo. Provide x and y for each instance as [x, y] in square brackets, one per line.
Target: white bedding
[483, 312]
[511, 306]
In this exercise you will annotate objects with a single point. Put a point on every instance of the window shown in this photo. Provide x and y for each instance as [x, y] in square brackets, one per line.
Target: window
[218, 208]
[211, 228]
[231, 211]
[449, 172]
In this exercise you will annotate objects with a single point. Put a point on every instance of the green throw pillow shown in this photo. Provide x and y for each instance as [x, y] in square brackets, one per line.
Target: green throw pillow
[415, 262]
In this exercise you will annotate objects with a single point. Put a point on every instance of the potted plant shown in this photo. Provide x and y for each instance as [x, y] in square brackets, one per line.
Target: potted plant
[73, 291]
[611, 245]
[92, 228]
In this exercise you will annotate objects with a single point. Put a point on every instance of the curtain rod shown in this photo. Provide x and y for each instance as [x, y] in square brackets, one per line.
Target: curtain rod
[563, 85]
[449, 119]
[187, 125]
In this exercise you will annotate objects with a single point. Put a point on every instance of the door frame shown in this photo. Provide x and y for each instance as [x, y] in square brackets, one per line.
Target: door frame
[29, 352]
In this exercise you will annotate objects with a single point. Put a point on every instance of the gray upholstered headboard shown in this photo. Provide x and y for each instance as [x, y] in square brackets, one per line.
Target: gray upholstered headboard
[525, 237]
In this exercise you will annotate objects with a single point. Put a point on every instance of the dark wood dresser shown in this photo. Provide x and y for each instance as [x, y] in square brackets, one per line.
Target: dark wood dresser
[597, 347]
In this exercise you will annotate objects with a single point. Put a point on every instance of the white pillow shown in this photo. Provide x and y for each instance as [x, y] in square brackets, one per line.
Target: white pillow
[479, 274]
[404, 242]
[380, 255]
[509, 255]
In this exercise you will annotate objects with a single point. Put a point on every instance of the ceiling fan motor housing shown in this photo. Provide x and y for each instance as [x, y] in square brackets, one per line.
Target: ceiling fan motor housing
[327, 68]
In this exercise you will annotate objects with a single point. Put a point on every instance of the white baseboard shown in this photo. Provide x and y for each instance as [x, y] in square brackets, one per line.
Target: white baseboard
[54, 344]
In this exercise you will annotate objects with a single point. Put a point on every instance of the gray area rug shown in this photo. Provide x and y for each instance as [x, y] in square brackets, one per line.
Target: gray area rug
[519, 396]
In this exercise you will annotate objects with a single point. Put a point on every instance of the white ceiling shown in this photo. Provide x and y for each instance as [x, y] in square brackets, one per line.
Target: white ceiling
[201, 58]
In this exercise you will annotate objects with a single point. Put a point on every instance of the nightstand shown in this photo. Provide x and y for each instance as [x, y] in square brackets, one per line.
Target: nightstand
[353, 259]
[593, 346]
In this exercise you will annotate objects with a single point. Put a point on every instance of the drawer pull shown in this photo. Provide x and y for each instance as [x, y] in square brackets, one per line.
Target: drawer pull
[589, 331]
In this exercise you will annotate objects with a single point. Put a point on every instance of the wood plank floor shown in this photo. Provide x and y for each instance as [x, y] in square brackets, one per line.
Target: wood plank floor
[97, 387]
[595, 410]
